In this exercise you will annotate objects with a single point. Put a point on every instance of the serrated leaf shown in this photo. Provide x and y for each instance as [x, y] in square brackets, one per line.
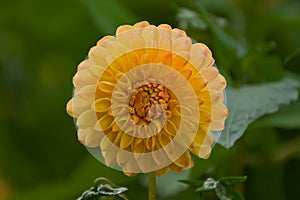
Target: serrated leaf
[232, 180]
[209, 184]
[250, 102]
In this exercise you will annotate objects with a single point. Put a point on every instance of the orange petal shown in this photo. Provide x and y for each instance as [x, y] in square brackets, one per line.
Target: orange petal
[184, 161]
[142, 24]
[162, 171]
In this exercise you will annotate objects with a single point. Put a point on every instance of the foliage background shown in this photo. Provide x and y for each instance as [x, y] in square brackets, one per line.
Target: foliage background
[42, 42]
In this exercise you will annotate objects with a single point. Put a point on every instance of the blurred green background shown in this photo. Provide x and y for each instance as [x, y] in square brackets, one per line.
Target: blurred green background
[41, 44]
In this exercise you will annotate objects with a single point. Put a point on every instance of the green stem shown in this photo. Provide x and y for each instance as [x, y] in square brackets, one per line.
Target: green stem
[152, 186]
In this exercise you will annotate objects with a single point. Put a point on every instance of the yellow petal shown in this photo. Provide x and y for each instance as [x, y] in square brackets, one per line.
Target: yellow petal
[85, 64]
[98, 54]
[136, 41]
[104, 123]
[142, 24]
[205, 117]
[200, 56]
[158, 157]
[217, 125]
[125, 141]
[219, 83]
[106, 86]
[180, 60]
[165, 26]
[123, 157]
[87, 92]
[96, 71]
[165, 43]
[175, 168]
[181, 44]
[116, 49]
[102, 105]
[167, 143]
[184, 161]
[162, 171]
[69, 108]
[106, 144]
[83, 78]
[149, 34]
[87, 119]
[105, 39]
[93, 138]
[167, 59]
[209, 73]
[78, 105]
[139, 148]
[219, 112]
[123, 28]
[110, 156]
[151, 143]
[170, 128]
[176, 33]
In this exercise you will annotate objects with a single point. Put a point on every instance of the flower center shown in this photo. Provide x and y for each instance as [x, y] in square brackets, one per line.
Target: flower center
[148, 102]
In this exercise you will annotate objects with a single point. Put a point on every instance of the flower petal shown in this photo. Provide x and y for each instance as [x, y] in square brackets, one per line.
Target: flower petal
[181, 44]
[200, 56]
[83, 78]
[142, 24]
[98, 55]
[93, 138]
[87, 119]
[102, 105]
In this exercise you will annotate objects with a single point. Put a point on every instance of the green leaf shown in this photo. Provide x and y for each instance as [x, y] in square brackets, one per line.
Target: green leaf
[189, 18]
[223, 192]
[226, 40]
[236, 195]
[232, 180]
[209, 184]
[292, 55]
[102, 14]
[103, 189]
[250, 102]
[198, 183]
[287, 117]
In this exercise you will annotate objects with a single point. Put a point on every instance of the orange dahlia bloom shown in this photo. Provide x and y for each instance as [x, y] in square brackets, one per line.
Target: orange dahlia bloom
[146, 98]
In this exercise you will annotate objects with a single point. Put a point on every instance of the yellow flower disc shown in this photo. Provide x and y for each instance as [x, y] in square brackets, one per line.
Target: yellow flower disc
[146, 98]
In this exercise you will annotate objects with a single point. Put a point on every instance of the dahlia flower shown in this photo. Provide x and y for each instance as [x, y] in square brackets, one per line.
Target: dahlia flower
[147, 98]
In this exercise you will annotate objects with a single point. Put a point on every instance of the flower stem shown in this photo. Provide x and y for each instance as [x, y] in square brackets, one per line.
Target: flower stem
[152, 186]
